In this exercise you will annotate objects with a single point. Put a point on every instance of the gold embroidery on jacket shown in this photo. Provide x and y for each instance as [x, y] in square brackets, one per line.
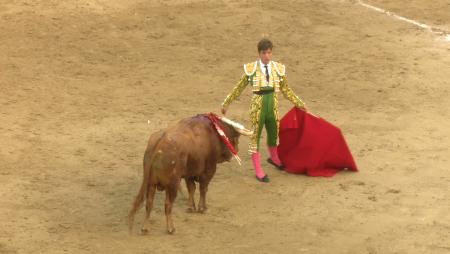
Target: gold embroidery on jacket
[257, 79]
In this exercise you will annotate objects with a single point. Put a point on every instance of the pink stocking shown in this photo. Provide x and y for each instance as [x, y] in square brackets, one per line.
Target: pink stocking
[256, 158]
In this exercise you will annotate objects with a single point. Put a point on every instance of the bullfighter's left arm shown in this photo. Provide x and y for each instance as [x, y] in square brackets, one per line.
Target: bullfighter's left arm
[290, 95]
[237, 90]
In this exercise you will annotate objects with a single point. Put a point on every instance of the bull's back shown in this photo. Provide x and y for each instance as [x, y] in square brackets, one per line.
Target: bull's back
[181, 150]
[195, 138]
[194, 135]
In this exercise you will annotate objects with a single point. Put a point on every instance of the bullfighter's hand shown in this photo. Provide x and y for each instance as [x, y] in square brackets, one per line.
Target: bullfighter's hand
[303, 108]
[224, 110]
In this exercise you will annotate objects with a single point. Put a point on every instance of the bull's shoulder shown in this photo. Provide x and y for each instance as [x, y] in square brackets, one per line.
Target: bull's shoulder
[195, 125]
[250, 68]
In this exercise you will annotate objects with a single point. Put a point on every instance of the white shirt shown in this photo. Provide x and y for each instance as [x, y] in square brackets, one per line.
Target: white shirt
[263, 69]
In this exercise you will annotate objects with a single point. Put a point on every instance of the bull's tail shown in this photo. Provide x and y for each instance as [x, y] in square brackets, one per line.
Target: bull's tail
[142, 194]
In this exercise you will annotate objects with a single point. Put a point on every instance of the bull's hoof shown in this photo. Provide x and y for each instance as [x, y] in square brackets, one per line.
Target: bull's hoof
[144, 231]
[171, 231]
[190, 209]
[202, 209]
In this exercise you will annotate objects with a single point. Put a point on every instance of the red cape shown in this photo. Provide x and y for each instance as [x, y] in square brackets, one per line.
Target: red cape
[310, 145]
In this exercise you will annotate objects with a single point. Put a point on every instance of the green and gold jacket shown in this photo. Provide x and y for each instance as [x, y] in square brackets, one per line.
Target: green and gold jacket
[255, 77]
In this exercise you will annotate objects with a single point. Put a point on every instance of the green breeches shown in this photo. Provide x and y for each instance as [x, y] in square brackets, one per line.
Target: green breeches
[267, 118]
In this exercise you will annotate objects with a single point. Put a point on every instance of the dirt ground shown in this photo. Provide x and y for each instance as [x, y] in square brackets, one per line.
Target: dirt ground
[80, 79]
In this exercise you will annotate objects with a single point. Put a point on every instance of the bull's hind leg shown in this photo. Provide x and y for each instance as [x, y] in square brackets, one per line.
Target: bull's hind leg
[171, 194]
[190, 184]
[148, 208]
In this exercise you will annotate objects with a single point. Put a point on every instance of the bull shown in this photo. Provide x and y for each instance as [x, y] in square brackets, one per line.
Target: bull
[191, 149]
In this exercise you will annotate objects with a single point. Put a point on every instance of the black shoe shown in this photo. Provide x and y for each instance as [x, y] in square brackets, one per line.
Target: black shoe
[265, 179]
[279, 167]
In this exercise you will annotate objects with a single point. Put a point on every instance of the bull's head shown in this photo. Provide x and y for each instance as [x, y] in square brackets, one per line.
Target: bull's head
[235, 130]
[237, 126]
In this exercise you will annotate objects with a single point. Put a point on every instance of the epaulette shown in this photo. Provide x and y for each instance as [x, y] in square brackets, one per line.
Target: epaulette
[279, 68]
[250, 68]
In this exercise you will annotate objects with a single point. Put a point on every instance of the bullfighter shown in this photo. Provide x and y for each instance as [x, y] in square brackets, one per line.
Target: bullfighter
[267, 78]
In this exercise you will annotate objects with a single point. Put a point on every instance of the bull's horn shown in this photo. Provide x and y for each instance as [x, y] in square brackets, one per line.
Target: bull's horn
[245, 132]
[237, 126]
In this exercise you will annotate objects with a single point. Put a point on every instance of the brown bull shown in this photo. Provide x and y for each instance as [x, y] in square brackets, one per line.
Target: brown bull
[191, 150]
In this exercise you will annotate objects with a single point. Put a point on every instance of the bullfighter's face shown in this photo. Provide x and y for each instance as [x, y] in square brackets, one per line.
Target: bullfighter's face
[265, 55]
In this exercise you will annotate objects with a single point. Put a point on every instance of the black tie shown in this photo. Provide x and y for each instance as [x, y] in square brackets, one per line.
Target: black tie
[267, 73]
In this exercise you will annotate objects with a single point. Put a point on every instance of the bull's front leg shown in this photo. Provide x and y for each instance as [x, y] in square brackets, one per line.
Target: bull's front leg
[204, 182]
[190, 184]
[203, 189]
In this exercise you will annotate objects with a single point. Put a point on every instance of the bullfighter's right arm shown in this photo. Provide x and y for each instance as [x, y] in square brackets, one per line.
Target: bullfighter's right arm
[237, 90]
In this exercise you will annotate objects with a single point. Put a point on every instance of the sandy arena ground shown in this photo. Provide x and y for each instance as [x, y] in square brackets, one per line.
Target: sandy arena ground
[80, 79]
